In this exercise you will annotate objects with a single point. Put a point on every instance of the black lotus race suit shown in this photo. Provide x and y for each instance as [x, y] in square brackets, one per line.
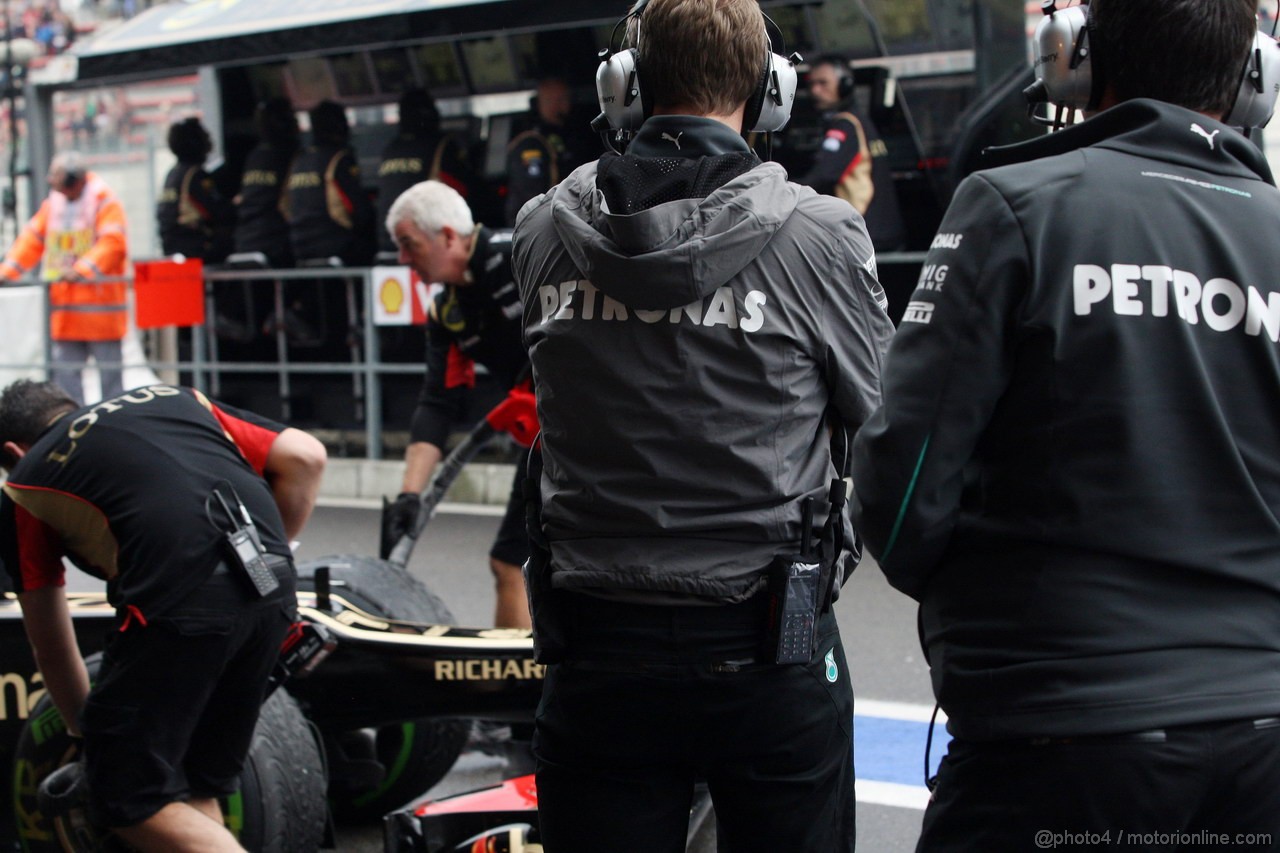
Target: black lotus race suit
[124, 488]
[195, 220]
[411, 158]
[468, 324]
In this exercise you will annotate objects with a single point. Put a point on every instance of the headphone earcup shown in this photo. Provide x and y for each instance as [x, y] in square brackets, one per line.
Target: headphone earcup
[1062, 58]
[844, 86]
[618, 90]
[1259, 85]
[769, 109]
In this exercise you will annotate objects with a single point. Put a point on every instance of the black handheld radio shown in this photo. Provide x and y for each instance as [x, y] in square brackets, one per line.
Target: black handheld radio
[246, 551]
[795, 593]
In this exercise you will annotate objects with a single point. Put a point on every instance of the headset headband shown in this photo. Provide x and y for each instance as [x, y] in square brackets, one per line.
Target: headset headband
[625, 101]
[1070, 71]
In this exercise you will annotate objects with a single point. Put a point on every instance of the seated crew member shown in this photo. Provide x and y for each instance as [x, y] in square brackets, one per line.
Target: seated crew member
[852, 162]
[540, 157]
[419, 152]
[195, 219]
[260, 223]
[328, 211]
[125, 490]
[475, 318]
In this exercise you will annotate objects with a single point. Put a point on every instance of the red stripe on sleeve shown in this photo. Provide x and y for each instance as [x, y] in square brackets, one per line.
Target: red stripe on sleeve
[254, 441]
[39, 552]
[460, 371]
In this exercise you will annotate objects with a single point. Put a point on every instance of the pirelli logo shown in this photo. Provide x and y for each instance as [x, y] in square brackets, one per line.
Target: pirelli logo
[522, 669]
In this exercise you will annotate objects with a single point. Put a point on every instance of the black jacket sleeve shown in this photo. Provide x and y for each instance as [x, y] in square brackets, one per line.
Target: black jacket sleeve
[947, 368]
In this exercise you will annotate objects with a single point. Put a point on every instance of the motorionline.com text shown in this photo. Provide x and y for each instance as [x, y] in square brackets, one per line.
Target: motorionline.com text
[1047, 839]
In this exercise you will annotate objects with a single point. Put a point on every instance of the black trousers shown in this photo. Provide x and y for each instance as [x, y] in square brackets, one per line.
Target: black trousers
[656, 698]
[1206, 787]
[172, 713]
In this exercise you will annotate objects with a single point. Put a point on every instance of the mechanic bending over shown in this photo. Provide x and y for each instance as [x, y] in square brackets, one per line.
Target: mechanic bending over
[474, 318]
[1076, 471]
[135, 490]
[701, 332]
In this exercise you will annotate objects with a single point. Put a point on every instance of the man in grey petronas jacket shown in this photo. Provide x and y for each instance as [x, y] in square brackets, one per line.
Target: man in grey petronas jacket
[702, 333]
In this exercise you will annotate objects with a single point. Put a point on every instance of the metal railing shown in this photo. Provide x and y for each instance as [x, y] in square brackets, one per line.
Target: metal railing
[364, 364]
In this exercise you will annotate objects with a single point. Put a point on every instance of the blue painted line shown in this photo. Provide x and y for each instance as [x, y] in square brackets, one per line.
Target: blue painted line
[887, 750]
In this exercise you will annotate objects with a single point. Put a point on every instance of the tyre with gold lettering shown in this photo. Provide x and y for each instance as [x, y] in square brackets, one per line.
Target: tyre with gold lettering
[280, 807]
[372, 771]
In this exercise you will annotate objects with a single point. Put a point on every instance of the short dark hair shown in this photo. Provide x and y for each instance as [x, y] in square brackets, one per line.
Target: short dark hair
[329, 124]
[418, 112]
[26, 408]
[835, 60]
[277, 123]
[1185, 52]
[189, 141]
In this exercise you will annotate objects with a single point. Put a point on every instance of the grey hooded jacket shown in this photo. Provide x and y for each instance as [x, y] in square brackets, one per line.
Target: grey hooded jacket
[685, 357]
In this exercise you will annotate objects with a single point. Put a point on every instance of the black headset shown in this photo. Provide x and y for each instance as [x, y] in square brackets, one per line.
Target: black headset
[625, 101]
[1065, 62]
[844, 76]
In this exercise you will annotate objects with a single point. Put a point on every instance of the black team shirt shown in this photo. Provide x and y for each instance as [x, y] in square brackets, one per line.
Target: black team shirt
[120, 488]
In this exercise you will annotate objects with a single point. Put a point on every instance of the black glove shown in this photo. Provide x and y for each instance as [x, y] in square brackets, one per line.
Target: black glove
[398, 517]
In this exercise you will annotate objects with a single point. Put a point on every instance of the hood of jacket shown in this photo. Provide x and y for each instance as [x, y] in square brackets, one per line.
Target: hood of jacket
[677, 252]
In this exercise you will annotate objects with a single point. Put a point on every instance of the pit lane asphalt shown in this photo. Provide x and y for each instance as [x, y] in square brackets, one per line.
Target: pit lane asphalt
[877, 624]
[890, 679]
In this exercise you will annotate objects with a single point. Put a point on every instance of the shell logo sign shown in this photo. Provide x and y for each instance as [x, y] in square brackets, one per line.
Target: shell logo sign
[399, 297]
[391, 295]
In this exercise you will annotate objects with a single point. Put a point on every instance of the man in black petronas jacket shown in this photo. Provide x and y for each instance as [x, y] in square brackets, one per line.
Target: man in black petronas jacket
[699, 328]
[1076, 470]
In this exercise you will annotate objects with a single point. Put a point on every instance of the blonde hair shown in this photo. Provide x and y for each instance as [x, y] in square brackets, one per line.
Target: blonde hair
[706, 56]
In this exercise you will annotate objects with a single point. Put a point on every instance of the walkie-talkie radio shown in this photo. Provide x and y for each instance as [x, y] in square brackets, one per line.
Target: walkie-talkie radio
[795, 585]
[247, 552]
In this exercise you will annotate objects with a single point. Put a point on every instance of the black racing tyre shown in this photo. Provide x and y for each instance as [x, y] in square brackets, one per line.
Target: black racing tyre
[415, 754]
[280, 807]
[282, 787]
[379, 587]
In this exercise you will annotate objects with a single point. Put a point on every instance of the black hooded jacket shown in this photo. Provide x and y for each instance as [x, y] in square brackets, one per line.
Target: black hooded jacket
[1076, 469]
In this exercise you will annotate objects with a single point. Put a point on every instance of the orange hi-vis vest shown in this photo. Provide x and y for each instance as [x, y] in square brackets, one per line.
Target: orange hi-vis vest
[86, 236]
